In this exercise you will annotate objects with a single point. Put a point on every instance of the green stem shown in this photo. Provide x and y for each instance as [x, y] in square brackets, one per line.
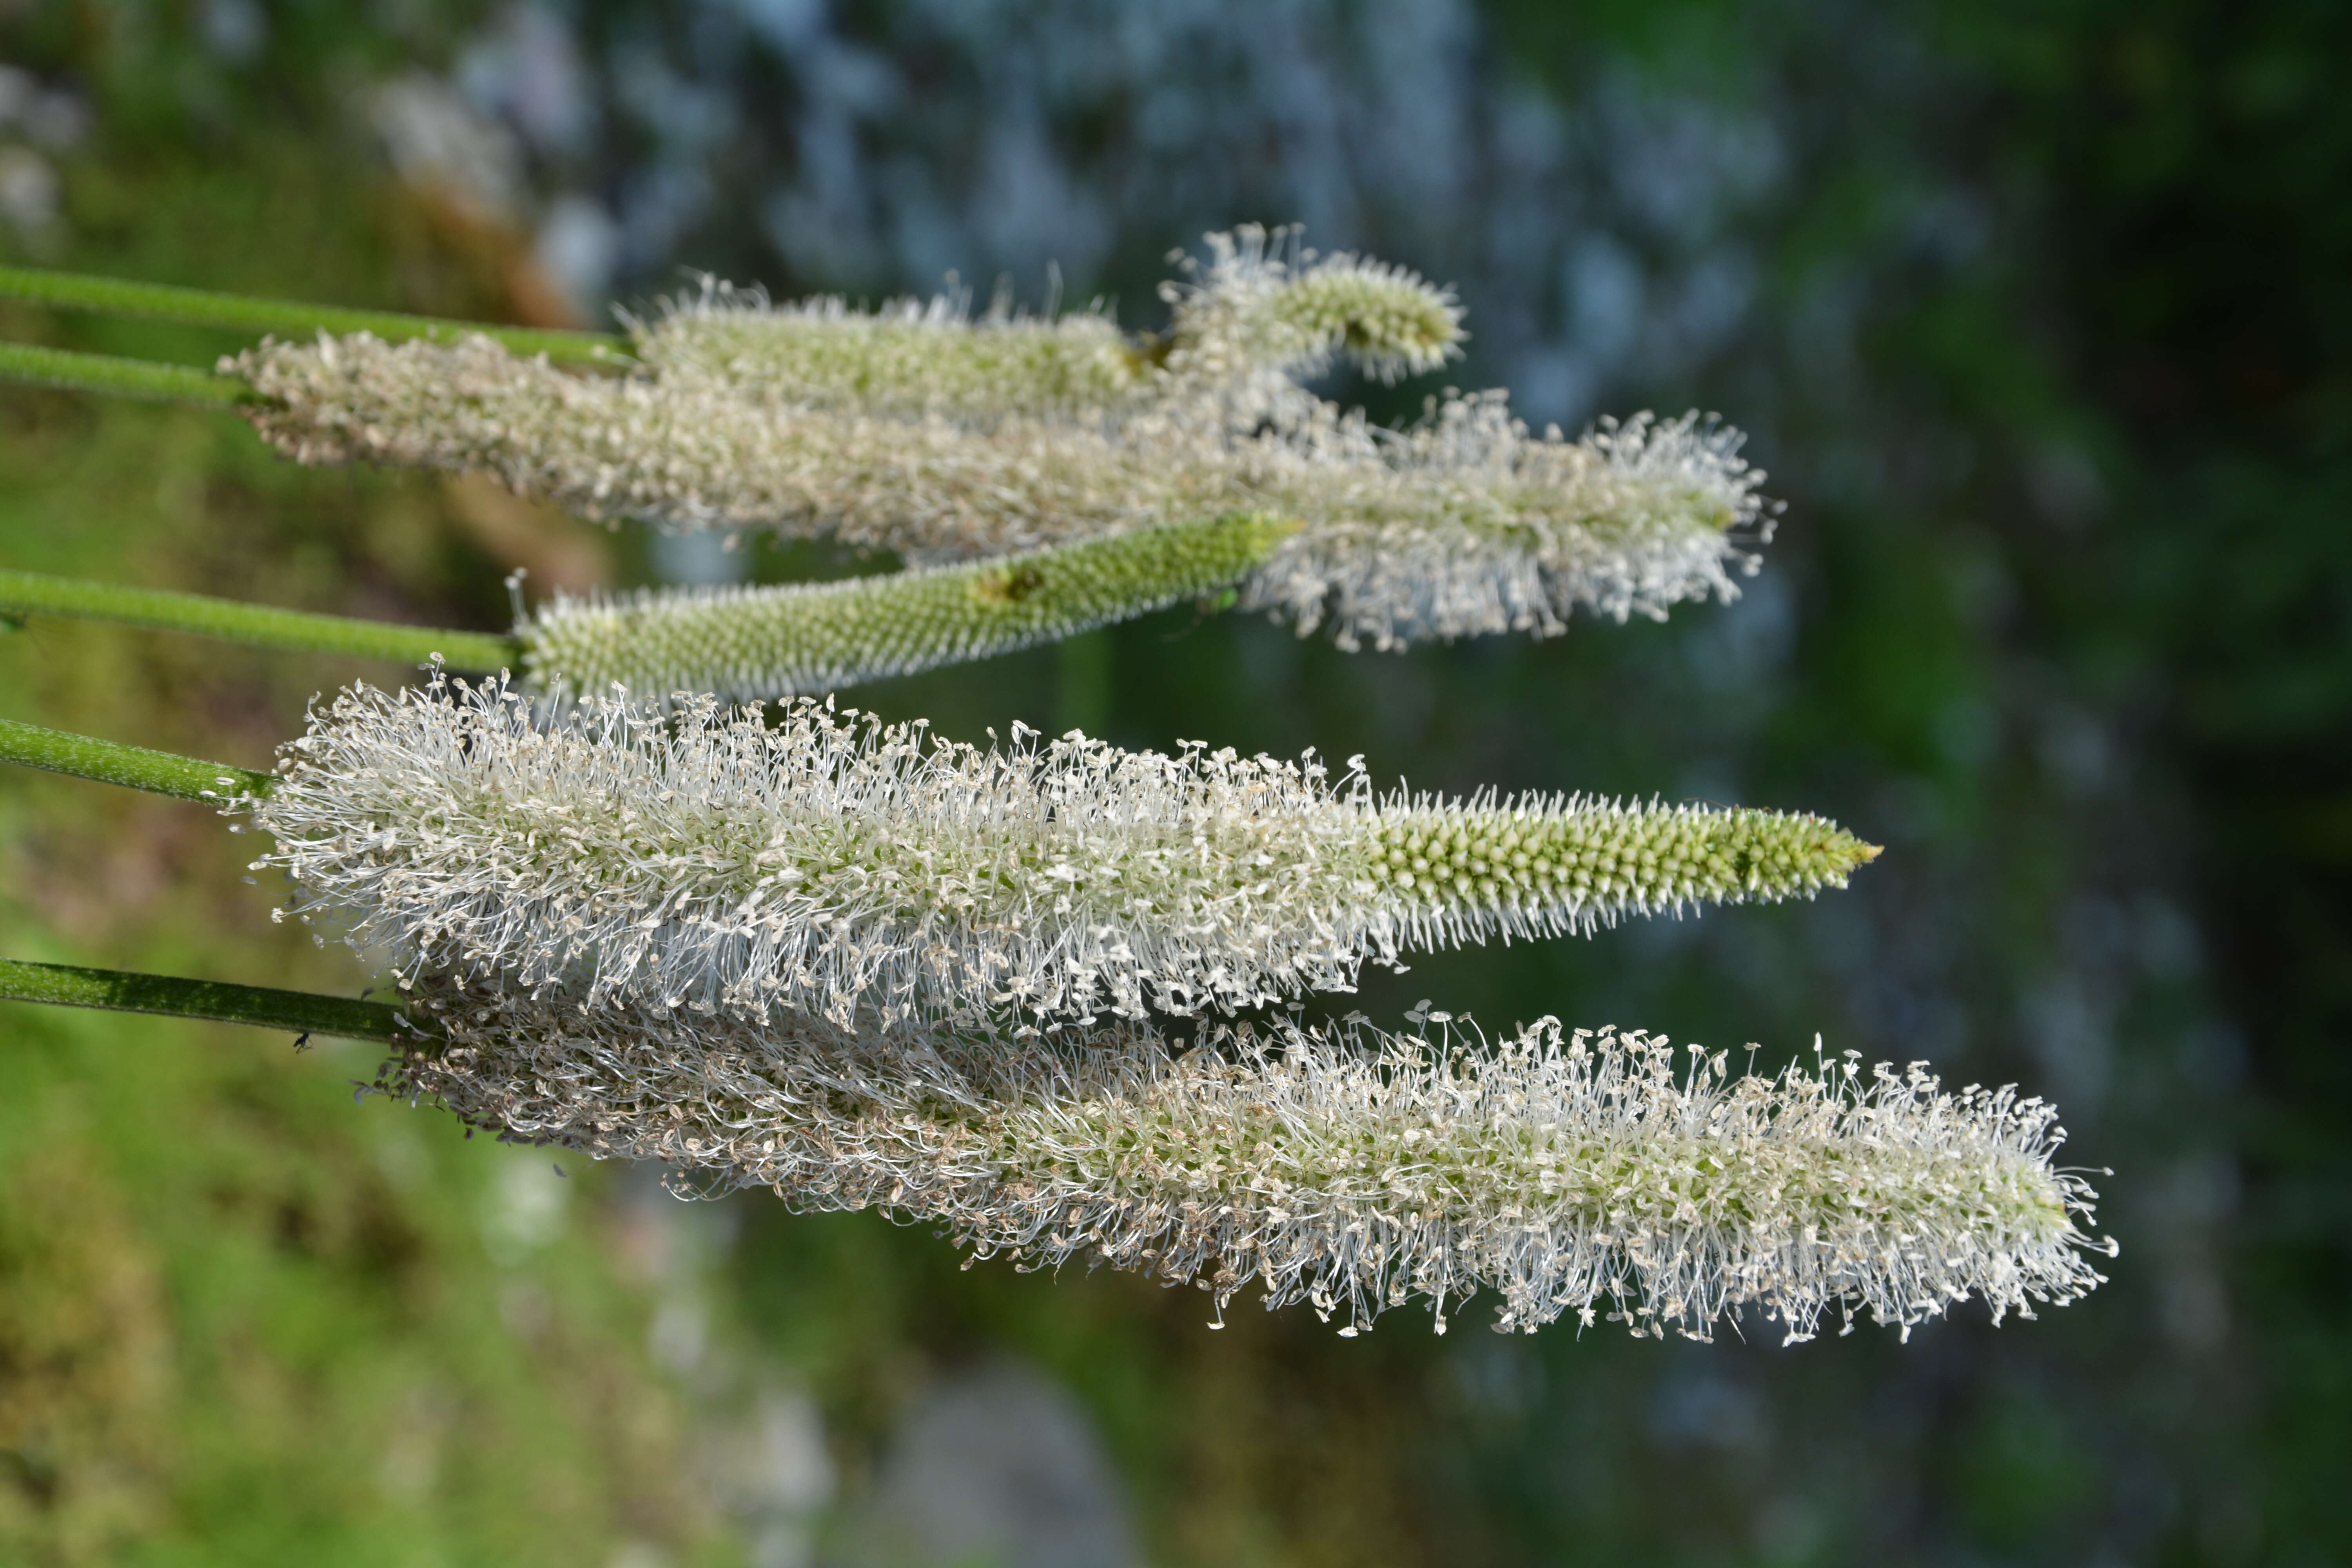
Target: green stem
[261, 1006]
[23, 592]
[140, 378]
[202, 307]
[134, 768]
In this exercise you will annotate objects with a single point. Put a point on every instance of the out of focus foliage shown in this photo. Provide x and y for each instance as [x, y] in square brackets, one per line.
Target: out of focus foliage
[2037, 313]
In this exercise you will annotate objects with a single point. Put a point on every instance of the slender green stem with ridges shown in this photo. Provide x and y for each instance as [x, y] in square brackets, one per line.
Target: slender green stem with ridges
[32, 593]
[202, 307]
[263, 1006]
[146, 379]
[134, 768]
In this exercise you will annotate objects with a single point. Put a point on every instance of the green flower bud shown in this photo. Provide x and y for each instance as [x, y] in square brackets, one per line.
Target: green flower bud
[745, 644]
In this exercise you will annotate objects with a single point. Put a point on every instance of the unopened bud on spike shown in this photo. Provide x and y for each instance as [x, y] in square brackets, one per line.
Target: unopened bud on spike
[747, 644]
[1253, 312]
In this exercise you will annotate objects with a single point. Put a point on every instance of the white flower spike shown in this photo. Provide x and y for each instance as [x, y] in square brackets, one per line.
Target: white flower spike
[1568, 1174]
[943, 438]
[704, 859]
[1464, 524]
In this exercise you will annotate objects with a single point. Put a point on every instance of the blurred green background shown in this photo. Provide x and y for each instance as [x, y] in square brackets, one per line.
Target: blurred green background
[2037, 314]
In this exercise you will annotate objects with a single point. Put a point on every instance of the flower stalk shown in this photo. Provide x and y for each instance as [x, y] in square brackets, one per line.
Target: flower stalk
[216, 1001]
[110, 374]
[241, 312]
[1567, 1174]
[1254, 318]
[923, 431]
[259, 626]
[134, 767]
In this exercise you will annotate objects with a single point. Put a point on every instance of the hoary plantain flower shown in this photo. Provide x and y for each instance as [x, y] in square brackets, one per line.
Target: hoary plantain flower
[924, 436]
[1351, 1170]
[705, 860]
[1464, 524]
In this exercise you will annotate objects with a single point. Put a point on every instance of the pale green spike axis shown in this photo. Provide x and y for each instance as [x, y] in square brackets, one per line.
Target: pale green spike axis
[747, 644]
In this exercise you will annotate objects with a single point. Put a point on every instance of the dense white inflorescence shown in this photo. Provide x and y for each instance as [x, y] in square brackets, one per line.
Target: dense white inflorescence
[706, 860]
[1466, 523]
[1568, 1174]
[690, 455]
[747, 644]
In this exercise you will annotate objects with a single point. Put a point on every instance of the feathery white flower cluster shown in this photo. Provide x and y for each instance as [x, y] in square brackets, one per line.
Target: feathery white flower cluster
[747, 644]
[705, 860]
[692, 455]
[1351, 1170]
[1466, 523]
[1461, 525]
